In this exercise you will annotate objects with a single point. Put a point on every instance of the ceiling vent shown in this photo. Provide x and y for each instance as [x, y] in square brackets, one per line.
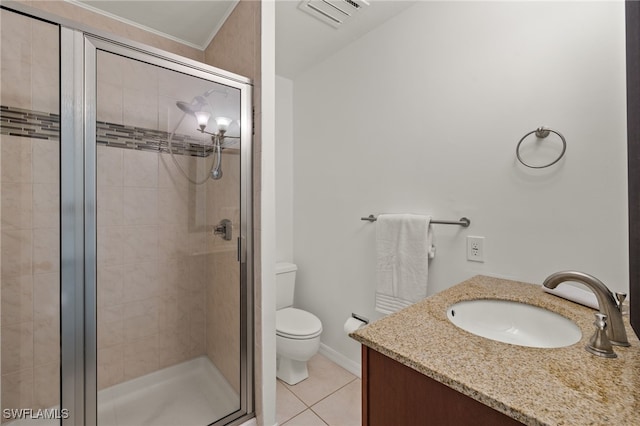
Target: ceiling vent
[332, 12]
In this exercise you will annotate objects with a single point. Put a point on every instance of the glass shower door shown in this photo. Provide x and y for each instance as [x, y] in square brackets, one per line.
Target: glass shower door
[171, 335]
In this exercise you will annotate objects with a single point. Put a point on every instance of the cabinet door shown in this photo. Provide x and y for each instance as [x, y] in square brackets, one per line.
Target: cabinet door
[394, 394]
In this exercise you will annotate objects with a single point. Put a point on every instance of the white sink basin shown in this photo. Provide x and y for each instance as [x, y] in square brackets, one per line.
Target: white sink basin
[513, 322]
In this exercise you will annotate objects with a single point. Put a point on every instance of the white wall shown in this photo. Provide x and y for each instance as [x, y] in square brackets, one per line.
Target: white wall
[423, 115]
[267, 235]
[284, 169]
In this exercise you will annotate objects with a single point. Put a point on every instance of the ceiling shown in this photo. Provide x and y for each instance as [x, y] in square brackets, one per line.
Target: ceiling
[190, 22]
[301, 40]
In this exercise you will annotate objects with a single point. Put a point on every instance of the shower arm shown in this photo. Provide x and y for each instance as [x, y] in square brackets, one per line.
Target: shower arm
[220, 134]
[217, 138]
[216, 171]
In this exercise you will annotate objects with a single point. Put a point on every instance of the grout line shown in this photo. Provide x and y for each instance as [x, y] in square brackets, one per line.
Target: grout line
[323, 421]
[296, 397]
[286, 386]
[300, 413]
[328, 395]
[310, 407]
[316, 403]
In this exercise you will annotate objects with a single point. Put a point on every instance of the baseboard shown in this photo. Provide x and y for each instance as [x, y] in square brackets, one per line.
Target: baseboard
[344, 362]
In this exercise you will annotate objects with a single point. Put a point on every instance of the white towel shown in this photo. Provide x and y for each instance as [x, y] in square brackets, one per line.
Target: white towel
[404, 246]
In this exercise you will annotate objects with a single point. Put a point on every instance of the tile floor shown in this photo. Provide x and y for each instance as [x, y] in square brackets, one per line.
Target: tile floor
[330, 396]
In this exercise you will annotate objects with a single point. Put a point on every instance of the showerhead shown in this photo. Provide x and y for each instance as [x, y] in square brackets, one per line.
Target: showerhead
[185, 107]
[197, 104]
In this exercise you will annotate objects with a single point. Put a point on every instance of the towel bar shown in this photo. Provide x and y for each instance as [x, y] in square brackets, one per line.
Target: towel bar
[463, 221]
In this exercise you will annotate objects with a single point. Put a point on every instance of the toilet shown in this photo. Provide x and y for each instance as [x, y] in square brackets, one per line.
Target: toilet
[297, 331]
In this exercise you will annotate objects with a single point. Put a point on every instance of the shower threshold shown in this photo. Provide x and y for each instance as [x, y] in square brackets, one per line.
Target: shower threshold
[193, 393]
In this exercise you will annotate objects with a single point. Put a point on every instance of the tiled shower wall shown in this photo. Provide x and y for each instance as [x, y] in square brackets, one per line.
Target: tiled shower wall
[151, 277]
[168, 290]
[29, 226]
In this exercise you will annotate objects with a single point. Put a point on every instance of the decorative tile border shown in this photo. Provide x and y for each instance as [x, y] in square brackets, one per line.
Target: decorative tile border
[130, 137]
[30, 124]
[43, 125]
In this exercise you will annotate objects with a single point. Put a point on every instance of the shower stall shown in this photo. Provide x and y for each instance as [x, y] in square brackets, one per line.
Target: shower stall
[125, 235]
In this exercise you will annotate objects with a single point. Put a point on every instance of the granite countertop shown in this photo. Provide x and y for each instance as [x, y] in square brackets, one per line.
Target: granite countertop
[560, 386]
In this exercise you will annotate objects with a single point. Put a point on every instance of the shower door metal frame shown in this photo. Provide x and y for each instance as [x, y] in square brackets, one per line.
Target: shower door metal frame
[78, 229]
[72, 228]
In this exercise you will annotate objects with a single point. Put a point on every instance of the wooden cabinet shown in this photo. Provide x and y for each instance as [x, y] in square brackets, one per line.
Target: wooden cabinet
[396, 395]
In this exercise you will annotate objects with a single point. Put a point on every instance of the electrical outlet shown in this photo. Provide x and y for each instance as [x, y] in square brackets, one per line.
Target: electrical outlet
[475, 249]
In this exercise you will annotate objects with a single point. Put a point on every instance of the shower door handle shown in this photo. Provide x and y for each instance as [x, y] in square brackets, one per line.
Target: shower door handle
[241, 250]
[224, 229]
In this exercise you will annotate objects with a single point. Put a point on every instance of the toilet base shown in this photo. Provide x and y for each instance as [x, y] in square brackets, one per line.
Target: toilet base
[291, 371]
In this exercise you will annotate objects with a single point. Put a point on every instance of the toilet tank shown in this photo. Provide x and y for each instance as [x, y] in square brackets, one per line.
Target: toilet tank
[285, 284]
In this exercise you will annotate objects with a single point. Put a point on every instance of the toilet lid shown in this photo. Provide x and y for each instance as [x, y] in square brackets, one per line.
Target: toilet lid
[296, 323]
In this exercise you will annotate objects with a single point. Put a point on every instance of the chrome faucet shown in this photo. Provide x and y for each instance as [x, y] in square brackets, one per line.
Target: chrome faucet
[609, 305]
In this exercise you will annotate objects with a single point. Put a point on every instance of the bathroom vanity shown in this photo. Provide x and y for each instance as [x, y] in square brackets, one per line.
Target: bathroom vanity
[419, 368]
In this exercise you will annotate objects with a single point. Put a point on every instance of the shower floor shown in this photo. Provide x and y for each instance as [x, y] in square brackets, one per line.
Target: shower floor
[193, 393]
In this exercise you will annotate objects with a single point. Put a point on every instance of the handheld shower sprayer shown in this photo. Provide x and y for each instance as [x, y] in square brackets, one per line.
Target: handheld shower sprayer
[216, 170]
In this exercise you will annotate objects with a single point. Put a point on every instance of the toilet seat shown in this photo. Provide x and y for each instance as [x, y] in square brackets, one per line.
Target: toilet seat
[295, 323]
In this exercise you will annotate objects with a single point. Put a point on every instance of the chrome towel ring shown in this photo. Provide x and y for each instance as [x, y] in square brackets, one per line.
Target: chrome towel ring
[542, 132]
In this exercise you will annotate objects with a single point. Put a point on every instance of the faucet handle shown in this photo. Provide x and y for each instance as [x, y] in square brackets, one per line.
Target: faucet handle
[601, 321]
[599, 344]
[620, 298]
